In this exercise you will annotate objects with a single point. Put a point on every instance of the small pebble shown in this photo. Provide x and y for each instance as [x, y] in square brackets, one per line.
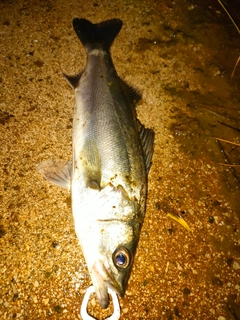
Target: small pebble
[36, 284]
[191, 7]
[212, 311]
[191, 211]
[45, 301]
[236, 265]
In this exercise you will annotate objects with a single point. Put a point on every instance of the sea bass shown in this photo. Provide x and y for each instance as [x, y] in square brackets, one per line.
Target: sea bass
[111, 157]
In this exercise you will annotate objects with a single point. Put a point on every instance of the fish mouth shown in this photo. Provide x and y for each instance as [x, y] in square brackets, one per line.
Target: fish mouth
[103, 279]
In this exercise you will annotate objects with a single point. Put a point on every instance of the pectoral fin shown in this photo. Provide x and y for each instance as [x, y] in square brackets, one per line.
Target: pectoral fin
[56, 171]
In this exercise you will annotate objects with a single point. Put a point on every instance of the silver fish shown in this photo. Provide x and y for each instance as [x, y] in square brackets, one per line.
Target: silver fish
[111, 158]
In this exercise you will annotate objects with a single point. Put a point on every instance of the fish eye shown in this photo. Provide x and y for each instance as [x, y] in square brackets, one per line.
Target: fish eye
[121, 258]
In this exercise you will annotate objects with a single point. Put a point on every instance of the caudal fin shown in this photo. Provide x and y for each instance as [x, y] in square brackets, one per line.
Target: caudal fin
[97, 36]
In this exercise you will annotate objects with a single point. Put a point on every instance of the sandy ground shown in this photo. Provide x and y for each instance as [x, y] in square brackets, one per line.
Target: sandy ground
[180, 54]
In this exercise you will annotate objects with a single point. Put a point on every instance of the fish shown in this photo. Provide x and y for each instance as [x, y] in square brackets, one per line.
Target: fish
[111, 157]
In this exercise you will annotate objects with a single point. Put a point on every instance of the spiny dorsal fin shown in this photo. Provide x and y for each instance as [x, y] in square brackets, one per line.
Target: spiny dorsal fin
[147, 139]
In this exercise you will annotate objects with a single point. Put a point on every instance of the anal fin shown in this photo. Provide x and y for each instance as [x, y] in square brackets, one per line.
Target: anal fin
[73, 80]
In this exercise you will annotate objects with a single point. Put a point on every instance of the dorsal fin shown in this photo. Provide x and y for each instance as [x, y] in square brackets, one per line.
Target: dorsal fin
[147, 140]
[133, 94]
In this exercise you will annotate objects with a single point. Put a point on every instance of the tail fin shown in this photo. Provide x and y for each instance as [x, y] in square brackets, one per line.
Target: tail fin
[97, 36]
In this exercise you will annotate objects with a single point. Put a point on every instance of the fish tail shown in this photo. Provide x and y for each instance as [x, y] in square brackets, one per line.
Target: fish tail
[97, 36]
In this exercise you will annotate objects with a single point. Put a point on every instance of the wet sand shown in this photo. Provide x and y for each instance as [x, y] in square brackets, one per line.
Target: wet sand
[180, 55]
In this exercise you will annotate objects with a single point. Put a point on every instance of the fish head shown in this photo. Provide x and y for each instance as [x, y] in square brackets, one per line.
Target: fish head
[109, 258]
[109, 241]
[112, 266]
